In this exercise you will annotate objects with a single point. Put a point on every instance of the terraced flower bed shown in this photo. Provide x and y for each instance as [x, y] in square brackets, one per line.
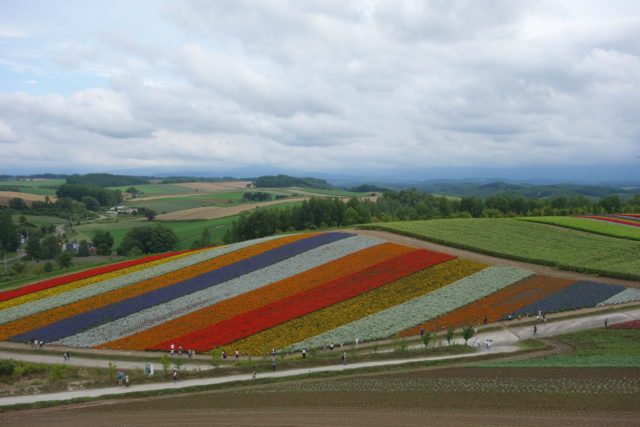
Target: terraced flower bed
[284, 292]
[578, 295]
[495, 306]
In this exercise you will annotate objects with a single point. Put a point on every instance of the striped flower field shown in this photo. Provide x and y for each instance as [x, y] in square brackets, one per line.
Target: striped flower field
[285, 292]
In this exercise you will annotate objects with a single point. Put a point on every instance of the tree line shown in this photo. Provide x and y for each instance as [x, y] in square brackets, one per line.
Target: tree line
[409, 205]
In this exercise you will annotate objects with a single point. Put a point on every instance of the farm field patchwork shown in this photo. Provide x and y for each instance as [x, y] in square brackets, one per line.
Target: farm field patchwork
[287, 292]
[187, 231]
[529, 242]
[606, 228]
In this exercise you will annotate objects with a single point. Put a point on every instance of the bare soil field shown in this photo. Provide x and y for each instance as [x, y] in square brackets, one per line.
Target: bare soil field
[5, 196]
[213, 212]
[452, 396]
[548, 271]
[213, 187]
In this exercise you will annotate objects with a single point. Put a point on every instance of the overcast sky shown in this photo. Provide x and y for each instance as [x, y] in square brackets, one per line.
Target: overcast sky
[317, 85]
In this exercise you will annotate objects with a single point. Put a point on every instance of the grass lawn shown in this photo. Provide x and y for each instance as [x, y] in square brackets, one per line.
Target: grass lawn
[589, 225]
[609, 348]
[187, 231]
[43, 187]
[156, 189]
[529, 242]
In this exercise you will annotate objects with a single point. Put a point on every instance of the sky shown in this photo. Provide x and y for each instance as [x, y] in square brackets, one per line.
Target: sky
[353, 87]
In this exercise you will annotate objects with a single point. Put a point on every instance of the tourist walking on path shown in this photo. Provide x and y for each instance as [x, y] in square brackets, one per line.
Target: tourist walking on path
[273, 364]
[120, 377]
[344, 358]
[535, 330]
[126, 380]
[304, 353]
[175, 376]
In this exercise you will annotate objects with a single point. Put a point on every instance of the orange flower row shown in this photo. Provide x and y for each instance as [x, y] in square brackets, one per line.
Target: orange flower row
[53, 315]
[496, 305]
[251, 300]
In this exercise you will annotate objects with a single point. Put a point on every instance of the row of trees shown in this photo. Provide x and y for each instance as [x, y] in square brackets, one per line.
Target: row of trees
[413, 205]
[92, 197]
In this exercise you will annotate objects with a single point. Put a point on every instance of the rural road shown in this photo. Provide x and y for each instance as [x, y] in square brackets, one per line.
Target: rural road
[503, 340]
[227, 379]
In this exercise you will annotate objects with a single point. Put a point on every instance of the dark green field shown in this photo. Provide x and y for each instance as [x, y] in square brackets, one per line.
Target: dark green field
[529, 242]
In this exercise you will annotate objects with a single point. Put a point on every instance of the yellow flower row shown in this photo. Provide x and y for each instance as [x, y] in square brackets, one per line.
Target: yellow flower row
[366, 304]
[88, 281]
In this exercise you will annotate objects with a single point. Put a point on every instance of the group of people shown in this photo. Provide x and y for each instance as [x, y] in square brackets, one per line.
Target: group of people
[35, 343]
[123, 379]
[224, 354]
[172, 351]
[66, 355]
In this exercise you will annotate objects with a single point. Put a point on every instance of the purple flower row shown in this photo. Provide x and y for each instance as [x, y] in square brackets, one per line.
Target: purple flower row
[577, 295]
[90, 319]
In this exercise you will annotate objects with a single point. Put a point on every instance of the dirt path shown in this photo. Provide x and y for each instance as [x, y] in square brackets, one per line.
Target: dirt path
[547, 271]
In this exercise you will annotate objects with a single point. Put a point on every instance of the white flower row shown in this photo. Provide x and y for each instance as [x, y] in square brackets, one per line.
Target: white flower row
[418, 310]
[628, 295]
[156, 315]
[108, 285]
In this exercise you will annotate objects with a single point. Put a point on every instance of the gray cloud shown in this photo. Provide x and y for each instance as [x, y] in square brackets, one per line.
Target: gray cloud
[326, 84]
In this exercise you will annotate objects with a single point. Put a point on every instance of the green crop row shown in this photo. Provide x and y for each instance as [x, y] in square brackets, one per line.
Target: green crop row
[529, 242]
[589, 225]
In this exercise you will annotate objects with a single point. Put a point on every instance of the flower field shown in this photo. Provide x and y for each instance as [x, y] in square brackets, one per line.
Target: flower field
[284, 292]
[631, 324]
[580, 294]
[495, 306]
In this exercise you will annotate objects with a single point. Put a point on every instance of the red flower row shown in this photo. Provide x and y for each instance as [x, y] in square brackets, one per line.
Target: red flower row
[631, 324]
[609, 219]
[305, 302]
[57, 281]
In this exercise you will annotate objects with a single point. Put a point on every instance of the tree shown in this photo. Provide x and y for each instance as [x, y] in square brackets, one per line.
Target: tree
[83, 249]
[426, 337]
[64, 259]
[467, 332]
[149, 213]
[205, 238]
[611, 203]
[157, 238]
[351, 216]
[91, 203]
[103, 241]
[50, 247]
[18, 204]
[9, 237]
[33, 248]
[449, 335]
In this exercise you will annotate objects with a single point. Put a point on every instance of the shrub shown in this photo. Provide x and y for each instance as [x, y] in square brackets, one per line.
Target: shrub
[48, 267]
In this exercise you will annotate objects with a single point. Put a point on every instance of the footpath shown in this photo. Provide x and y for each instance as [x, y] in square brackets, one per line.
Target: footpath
[502, 337]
